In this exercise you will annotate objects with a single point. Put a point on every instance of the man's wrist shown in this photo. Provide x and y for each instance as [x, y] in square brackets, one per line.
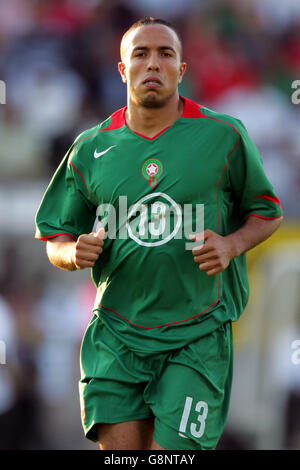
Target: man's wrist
[235, 245]
[73, 266]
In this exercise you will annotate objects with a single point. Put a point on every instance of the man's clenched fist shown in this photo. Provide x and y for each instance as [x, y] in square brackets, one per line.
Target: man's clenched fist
[215, 254]
[88, 248]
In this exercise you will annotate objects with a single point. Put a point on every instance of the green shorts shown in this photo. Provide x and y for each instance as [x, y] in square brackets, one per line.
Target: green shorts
[186, 391]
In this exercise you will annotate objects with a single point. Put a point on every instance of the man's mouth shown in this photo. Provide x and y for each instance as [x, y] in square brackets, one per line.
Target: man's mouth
[152, 82]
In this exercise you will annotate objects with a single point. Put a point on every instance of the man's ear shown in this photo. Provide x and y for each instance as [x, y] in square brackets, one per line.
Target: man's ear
[181, 71]
[121, 68]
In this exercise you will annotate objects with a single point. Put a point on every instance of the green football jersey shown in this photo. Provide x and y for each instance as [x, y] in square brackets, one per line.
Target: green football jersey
[202, 172]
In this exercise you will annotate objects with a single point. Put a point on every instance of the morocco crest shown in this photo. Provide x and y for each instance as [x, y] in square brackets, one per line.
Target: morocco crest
[152, 169]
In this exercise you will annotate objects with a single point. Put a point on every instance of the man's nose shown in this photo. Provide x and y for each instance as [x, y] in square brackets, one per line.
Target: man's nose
[153, 63]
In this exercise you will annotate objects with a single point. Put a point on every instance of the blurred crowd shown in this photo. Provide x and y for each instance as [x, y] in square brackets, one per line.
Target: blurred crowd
[58, 59]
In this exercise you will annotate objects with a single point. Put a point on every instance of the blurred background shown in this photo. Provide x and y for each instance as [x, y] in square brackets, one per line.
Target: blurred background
[58, 59]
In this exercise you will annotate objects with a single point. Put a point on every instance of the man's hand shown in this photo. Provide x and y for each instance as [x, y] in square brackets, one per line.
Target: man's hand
[88, 248]
[65, 253]
[215, 254]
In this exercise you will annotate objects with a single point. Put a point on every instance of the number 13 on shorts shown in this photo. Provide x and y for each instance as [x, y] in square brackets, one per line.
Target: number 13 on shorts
[197, 430]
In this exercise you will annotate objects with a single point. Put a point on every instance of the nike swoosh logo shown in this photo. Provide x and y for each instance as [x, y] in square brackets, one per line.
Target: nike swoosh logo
[99, 154]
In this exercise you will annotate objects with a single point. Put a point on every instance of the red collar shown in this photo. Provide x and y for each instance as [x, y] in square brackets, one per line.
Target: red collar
[190, 110]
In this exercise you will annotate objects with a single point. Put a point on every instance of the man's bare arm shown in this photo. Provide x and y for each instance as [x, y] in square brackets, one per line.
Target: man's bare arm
[215, 255]
[64, 253]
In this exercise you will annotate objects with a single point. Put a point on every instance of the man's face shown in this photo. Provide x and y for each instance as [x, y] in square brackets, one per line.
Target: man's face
[151, 65]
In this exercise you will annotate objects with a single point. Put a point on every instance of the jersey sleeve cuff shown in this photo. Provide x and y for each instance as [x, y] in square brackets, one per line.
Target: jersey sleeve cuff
[45, 238]
[264, 216]
[266, 207]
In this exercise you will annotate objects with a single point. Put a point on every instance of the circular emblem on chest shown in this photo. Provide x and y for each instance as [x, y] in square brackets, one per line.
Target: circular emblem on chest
[152, 169]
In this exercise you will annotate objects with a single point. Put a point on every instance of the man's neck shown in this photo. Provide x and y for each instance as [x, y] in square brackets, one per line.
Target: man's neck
[151, 121]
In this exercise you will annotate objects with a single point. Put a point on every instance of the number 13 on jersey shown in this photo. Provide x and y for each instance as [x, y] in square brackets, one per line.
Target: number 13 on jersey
[201, 408]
